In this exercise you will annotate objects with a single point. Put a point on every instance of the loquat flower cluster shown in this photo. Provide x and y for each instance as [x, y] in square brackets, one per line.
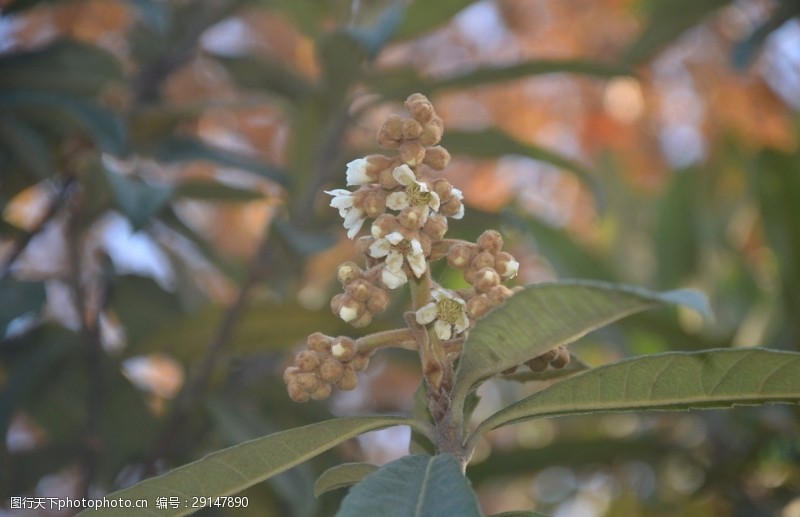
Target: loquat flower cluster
[409, 207]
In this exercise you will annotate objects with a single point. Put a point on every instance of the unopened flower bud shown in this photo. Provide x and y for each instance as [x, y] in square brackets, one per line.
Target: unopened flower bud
[431, 132]
[482, 260]
[321, 393]
[435, 226]
[375, 203]
[307, 381]
[411, 129]
[344, 349]
[537, 364]
[363, 244]
[347, 272]
[562, 358]
[391, 132]
[412, 153]
[349, 379]
[307, 360]
[485, 279]
[437, 158]
[363, 320]
[319, 342]
[387, 180]
[290, 373]
[378, 301]
[478, 306]
[498, 294]
[506, 265]
[359, 289]
[420, 108]
[383, 226]
[460, 255]
[330, 370]
[296, 393]
[412, 217]
[490, 241]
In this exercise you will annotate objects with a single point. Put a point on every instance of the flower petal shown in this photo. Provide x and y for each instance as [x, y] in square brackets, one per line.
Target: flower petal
[404, 175]
[397, 200]
[395, 238]
[434, 202]
[357, 172]
[442, 329]
[417, 263]
[393, 278]
[394, 260]
[426, 313]
[379, 248]
[354, 228]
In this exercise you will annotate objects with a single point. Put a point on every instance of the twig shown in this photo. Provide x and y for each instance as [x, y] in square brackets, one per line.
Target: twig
[25, 240]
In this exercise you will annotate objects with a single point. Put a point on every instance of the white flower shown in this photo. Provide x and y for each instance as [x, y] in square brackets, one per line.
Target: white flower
[357, 172]
[460, 196]
[415, 194]
[353, 217]
[396, 248]
[448, 311]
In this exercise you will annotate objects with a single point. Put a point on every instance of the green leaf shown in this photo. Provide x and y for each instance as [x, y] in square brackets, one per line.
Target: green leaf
[137, 199]
[81, 69]
[26, 146]
[341, 476]
[493, 143]
[546, 315]
[676, 242]
[262, 74]
[185, 148]
[668, 20]
[421, 486]
[106, 128]
[215, 191]
[18, 299]
[719, 378]
[231, 470]
[397, 83]
[422, 16]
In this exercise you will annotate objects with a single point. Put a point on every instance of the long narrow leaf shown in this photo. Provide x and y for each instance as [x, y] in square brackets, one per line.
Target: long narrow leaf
[546, 315]
[718, 378]
[231, 470]
[342, 476]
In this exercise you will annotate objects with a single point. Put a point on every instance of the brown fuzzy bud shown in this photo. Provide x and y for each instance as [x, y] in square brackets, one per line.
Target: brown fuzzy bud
[359, 289]
[509, 371]
[420, 108]
[384, 225]
[347, 272]
[290, 373]
[478, 306]
[344, 349]
[506, 265]
[425, 243]
[375, 203]
[307, 381]
[411, 129]
[378, 301]
[391, 132]
[482, 260]
[537, 364]
[319, 342]
[386, 179]
[348, 308]
[321, 393]
[490, 241]
[453, 207]
[460, 255]
[485, 279]
[437, 158]
[307, 360]
[435, 226]
[378, 162]
[412, 153]
[360, 362]
[498, 294]
[562, 358]
[297, 394]
[412, 217]
[330, 370]
[349, 380]
[431, 132]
